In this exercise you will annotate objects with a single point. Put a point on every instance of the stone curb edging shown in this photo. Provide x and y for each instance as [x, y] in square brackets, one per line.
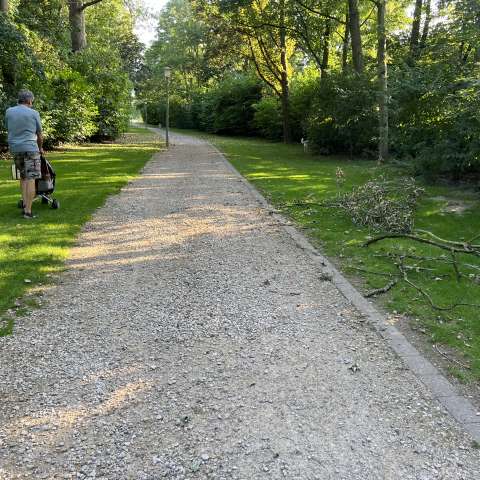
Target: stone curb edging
[443, 391]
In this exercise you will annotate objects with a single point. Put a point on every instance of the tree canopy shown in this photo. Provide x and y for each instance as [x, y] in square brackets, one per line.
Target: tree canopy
[365, 77]
[81, 92]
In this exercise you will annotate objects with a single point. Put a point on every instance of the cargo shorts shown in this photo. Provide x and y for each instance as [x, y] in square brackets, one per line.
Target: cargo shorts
[29, 165]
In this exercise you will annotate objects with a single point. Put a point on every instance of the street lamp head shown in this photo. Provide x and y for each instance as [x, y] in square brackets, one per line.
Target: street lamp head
[168, 72]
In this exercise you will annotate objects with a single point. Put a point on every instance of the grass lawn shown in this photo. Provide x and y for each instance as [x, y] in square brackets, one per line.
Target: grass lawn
[285, 174]
[32, 250]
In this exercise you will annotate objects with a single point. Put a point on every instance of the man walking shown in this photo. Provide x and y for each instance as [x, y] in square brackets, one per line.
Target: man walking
[25, 141]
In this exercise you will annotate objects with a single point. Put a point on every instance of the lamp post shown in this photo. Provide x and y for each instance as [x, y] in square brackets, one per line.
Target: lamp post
[168, 72]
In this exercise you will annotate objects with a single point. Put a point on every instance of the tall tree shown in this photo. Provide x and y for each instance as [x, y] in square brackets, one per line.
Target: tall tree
[382, 82]
[48, 18]
[426, 24]
[415, 34]
[314, 27]
[264, 26]
[356, 36]
[76, 10]
[345, 42]
[181, 44]
[317, 27]
[326, 49]
[271, 48]
[284, 74]
[477, 25]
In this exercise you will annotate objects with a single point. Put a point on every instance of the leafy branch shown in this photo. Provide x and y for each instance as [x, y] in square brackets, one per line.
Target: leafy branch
[450, 246]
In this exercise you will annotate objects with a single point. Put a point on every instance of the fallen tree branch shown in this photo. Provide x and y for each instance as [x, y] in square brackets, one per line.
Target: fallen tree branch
[444, 355]
[474, 238]
[443, 259]
[364, 270]
[475, 267]
[419, 269]
[448, 242]
[465, 249]
[304, 204]
[384, 289]
[425, 295]
[455, 266]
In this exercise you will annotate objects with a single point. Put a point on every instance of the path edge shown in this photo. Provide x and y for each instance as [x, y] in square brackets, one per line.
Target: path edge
[459, 407]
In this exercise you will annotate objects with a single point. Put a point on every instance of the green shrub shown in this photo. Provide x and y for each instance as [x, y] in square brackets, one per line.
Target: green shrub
[63, 97]
[342, 116]
[435, 120]
[17, 66]
[179, 112]
[103, 69]
[268, 118]
[71, 112]
[303, 90]
[228, 107]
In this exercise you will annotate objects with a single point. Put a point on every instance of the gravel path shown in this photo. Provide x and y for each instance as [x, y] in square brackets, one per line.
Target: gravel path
[191, 338]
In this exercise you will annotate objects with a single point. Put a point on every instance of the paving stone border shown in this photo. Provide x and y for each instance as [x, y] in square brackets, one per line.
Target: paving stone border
[445, 393]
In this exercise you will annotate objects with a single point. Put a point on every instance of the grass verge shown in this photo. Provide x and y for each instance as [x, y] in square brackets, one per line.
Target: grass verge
[285, 175]
[32, 250]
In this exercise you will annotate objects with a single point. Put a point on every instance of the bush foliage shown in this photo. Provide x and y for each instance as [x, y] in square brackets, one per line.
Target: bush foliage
[226, 108]
[436, 120]
[342, 117]
[79, 96]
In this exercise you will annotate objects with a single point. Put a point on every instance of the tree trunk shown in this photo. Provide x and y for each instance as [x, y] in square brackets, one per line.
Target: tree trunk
[415, 35]
[326, 50]
[382, 82]
[77, 25]
[357, 52]
[284, 76]
[465, 54]
[426, 25]
[76, 10]
[4, 6]
[346, 42]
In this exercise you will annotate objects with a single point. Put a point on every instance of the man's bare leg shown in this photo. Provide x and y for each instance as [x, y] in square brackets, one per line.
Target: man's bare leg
[28, 194]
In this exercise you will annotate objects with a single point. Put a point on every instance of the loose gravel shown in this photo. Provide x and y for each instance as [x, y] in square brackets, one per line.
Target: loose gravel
[191, 338]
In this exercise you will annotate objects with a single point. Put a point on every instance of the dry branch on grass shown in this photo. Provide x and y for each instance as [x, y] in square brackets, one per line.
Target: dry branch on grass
[450, 246]
[453, 247]
[450, 359]
[381, 204]
[385, 289]
[389, 206]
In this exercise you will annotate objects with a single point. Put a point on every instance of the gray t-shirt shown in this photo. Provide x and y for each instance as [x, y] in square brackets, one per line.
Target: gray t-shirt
[23, 123]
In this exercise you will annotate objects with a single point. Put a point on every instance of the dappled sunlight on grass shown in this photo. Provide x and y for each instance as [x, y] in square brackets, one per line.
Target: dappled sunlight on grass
[278, 176]
[86, 176]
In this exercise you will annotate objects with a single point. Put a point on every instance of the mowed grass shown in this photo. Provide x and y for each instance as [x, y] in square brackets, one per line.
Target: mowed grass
[32, 250]
[285, 174]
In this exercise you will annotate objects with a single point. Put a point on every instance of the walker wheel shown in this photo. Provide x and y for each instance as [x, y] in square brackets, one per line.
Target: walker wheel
[44, 200]
[55, 204]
